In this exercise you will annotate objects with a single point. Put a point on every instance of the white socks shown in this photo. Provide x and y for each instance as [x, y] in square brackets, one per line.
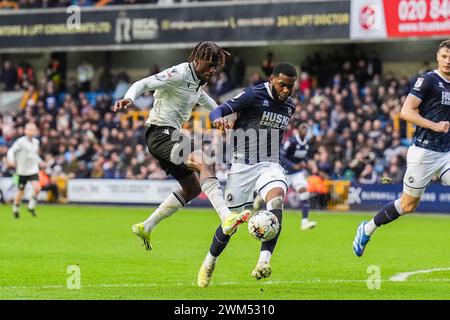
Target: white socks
[370, 227]
[171, 205]
[304, 196]
[32, 202]
[398, 207]
[264, 256]
[211, 187]
[210, 260]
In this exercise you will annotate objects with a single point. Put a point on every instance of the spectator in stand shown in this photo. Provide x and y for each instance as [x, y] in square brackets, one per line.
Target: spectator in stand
[267, 65]
[368, 175]
[304, 82]
[223, 84]
[25, 74]
[47, 185]
[53, 72]
[85, 72]
[238, 69]
[9, 78]
[255, 79]
[29, 98]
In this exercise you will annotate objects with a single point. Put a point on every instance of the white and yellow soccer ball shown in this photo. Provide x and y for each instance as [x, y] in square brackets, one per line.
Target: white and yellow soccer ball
[263, 225]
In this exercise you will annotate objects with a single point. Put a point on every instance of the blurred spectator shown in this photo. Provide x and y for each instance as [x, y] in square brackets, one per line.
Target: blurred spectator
[54, 72]
[123, 83]
[267, 65]
[238, 70]
[304, 82]
[368, 175]
[222, 84]
[25, 73]
[47, 185]
[255, 79]
[30, 97]
[85, 72]
[105, 82]
[9, 77]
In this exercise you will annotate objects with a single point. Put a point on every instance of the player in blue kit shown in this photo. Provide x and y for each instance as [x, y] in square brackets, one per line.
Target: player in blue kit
[263, 115]
[294, 157]
[428, 107]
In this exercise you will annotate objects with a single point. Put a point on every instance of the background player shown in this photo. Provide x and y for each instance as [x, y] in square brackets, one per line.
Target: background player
[428, 107]
[264, 109]
[177, 90]
[24, 157]
[294, 159]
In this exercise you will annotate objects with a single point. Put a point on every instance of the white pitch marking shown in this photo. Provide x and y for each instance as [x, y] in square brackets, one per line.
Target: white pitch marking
[265, 283]
[404, 275]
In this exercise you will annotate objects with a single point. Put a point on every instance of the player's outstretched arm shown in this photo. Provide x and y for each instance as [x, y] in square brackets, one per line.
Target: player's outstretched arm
[165, 79]
[410, 113]
[11, 155]
[122, 104]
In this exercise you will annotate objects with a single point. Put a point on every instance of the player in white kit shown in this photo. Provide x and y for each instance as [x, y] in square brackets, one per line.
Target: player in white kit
[24, 157]
[177, 90]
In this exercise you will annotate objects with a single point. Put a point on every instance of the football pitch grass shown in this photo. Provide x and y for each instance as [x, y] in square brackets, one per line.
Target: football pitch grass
[36, 253]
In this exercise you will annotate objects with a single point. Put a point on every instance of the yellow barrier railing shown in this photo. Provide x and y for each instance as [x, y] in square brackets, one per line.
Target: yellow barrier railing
[61, 184]
[410, 128]
[338, 191]
[198, 119]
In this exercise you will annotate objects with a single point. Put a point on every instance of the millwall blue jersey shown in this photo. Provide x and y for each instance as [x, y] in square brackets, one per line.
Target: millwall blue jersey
[294, 151]
[434, 91]
[260, 125]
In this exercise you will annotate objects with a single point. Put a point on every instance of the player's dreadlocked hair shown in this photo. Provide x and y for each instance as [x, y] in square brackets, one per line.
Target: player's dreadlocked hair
[444, 44]
[210, 52]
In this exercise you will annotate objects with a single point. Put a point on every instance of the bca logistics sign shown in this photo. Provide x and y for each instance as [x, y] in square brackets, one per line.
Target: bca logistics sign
[399, 18]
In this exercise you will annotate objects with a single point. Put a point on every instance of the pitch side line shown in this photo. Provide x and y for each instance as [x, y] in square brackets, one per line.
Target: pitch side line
[403, 276]
[266, 283]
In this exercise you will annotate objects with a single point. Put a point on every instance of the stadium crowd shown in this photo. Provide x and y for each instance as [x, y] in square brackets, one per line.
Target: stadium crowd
[349, 104]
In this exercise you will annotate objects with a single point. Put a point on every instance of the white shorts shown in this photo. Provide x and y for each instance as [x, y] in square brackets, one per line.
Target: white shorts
[297, 181]
[422, 166]
[244, 179]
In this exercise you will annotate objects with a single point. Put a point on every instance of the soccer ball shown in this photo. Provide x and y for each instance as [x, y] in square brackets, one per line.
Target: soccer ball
[263, 225]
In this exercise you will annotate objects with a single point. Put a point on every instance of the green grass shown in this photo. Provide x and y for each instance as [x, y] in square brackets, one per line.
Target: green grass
[314, 264]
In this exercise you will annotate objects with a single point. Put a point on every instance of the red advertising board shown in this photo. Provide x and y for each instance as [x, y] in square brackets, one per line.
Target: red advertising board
[409, 18]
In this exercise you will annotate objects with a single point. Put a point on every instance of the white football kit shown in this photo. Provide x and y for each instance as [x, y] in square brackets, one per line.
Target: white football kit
[177, 91]
[25, 154]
